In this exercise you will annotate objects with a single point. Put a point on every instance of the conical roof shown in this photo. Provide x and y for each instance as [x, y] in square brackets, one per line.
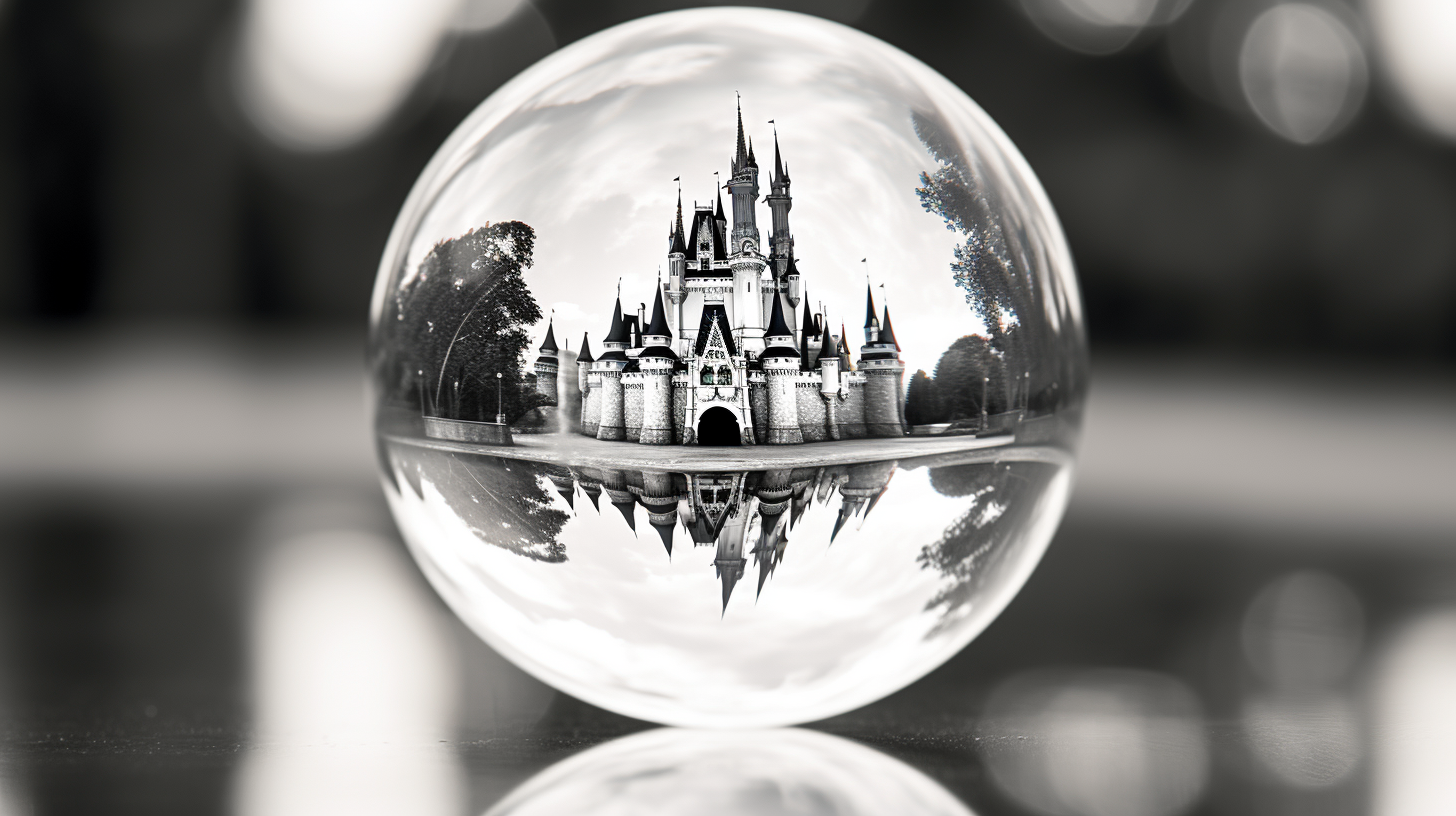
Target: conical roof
[777, 327]
[887, 331]
[870, 318]
[780, 176]
[626, 508]
[657, 326]
[679, 243]
[549, 344]
[584, 356]
[828, 348]
[664, 531]
[740, 159]
[618, 333]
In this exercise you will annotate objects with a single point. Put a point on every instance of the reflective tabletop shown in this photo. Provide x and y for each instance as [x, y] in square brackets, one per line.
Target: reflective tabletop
[1250, 608]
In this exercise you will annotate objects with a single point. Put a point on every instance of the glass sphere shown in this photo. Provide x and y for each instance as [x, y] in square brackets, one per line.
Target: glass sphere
[674, 771]
[623, 420]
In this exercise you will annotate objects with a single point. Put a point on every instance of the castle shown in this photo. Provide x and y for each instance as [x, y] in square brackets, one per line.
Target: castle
[719, 361]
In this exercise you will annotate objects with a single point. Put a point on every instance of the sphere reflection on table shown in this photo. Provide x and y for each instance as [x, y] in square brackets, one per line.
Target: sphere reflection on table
[754, 773]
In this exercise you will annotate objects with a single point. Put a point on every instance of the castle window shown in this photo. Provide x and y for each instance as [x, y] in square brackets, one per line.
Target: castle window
[707, 375]
[725, 375]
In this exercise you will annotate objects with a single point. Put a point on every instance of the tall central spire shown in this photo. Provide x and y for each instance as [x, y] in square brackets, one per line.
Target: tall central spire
[740, 161]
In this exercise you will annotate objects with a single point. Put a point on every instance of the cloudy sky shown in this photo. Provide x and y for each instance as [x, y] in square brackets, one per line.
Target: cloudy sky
[584, 146]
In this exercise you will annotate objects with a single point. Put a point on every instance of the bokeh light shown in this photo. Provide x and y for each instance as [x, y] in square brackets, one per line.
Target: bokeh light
[1096, 743]
[1416, 44]
[1303, 71]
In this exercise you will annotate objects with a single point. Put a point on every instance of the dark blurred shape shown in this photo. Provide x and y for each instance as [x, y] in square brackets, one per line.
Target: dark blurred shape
[61, 137]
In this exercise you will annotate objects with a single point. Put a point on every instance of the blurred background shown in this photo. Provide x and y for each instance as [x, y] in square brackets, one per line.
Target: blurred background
[1251, 607]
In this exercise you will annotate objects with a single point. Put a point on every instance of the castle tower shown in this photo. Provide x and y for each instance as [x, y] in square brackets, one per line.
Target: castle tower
[743, 185]
[780, 366]
[656, 363]
[608, 367]
[547, 365]
[884, 381]
[774, 493]
[591, 407]
[660, 498]
[872, 322]
[728, 561]
[780, 202]
[677, 266]
[620, 495]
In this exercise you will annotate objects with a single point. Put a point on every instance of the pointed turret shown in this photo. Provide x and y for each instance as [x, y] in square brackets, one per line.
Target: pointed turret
[664, 532]
[679, 238]
[618, 333]
[828, 349]
[548, 346]
[729, 578]
[777, 326]
[887, 331]
[657, 326]
[779, 177]
[740, 159]
[846, 512]
[626, 508]
[584, 356]
[744, 188]
[871, 320]
[806, 334]
[718, 213]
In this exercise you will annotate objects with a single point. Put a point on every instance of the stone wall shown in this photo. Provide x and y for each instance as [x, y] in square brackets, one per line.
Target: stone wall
[882, 402]
[812, 414]
[680, 386]
[783, 409]
[632, 406]
[591, 412]
[656, 427]
[546, 377]
[758, 404]
[851, 409]
[613, 427]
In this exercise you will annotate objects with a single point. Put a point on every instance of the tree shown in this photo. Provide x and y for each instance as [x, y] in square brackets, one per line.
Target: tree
[973, 548]
[922, 401]
[985, 265]
[461, 319]
[970, 371]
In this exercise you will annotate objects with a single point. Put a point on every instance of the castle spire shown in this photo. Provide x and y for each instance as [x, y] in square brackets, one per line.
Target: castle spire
[679, 237]
[584, 356]
[777, 326]
[870, 318]
[779, 176]
[828, 348]
[618, 332]
[549, 344]
[887, 331]
[657, 326]
[806, 331]
[740, 159]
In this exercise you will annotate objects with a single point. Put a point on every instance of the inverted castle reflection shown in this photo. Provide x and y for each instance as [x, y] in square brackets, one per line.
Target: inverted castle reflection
[744, 519]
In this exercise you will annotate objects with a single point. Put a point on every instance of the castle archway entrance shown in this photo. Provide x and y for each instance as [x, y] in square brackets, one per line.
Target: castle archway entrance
[718, 426]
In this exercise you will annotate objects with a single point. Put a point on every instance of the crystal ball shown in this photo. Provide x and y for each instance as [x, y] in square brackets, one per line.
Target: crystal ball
[622, 418]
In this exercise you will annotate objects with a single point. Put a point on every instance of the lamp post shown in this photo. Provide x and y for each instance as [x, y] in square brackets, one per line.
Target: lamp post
[500, 416]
